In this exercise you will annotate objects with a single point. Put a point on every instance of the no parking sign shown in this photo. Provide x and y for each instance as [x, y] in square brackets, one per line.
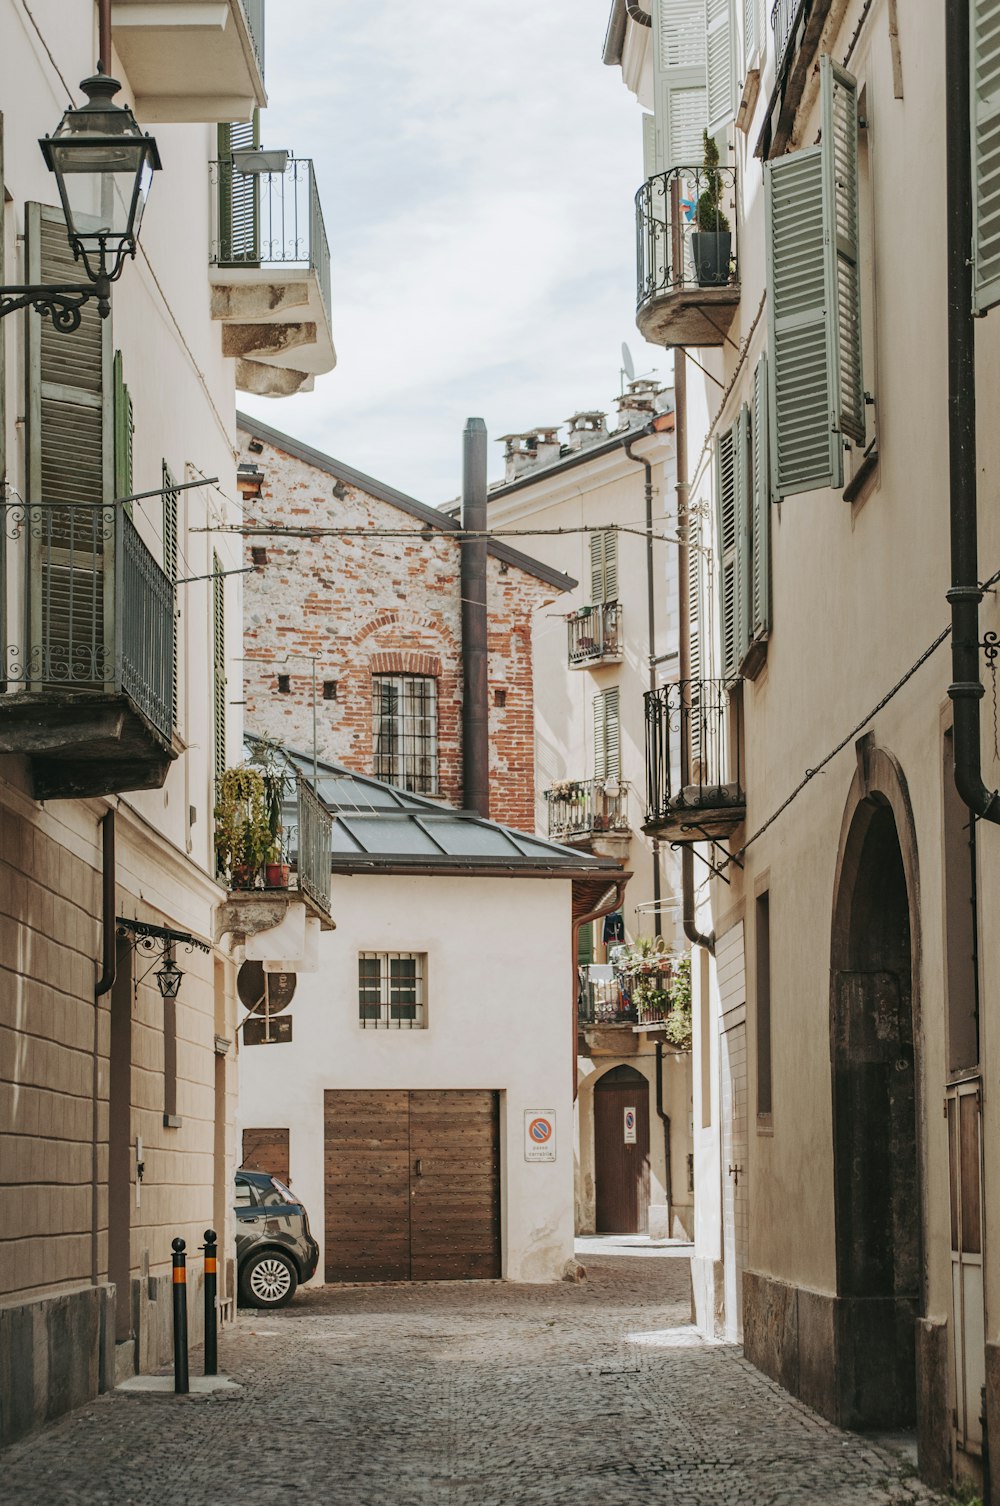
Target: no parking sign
[539, 1134]
[630, 1127]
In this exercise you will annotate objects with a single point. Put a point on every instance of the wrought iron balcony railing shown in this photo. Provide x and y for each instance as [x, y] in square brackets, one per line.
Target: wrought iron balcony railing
[693, 269]
[300, 857]
[96, 609]
[588, 807]
[312, 855]
[270, 219]
[254, 12]
[594, 634]
[604, 997]
[784, 14]
[694, 778]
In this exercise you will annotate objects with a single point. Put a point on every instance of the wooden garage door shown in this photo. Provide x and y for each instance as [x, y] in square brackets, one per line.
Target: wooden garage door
[266, 1150]
[412, 1185]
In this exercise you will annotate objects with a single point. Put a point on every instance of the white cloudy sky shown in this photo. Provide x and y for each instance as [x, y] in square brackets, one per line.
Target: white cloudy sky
[477, 164]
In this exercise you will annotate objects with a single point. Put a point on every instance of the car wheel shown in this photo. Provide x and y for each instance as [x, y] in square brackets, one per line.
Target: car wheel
[268, 1279]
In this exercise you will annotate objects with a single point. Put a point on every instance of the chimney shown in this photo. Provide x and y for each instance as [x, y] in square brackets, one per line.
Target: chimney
[637, 404]
[586, 428]
[524, 451]
[475, 709]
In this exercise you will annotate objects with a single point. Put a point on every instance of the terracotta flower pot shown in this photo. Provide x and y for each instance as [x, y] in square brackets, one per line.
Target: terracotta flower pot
[276, 875]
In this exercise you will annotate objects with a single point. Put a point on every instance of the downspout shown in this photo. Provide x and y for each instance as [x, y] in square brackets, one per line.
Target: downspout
[475, 688]
[651, 635]
[691, 931]
[966, 689]
[668, 1181]
[105, 983]
[104, 36]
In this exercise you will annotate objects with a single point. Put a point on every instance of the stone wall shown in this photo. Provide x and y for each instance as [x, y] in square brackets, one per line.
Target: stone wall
[385, 605]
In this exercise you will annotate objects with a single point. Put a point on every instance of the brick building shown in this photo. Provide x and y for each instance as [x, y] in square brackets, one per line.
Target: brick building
[361, 639]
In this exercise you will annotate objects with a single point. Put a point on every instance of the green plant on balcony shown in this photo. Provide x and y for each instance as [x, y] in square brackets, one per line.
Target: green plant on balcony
[244, 841]
[711, 240]
[272, 761]
[678, 1026]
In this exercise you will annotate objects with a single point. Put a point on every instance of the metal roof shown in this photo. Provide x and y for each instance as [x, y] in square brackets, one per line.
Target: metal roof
[381, 827]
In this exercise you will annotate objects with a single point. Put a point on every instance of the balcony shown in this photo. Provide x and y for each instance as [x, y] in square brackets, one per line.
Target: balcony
[270, 271]
[784, 14]
[89, 617]
[271, 899]
[595, 635]
[605, 999]
[590, 813]
[688, 282]
[192, 60]
[694, 783]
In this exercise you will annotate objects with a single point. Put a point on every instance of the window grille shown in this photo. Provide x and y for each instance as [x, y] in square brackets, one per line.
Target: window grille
[391, 993]
[404, 731]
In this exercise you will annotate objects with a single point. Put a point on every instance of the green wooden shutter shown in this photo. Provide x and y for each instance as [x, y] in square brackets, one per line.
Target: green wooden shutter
[760, 602]
[604, 566]
[839, 91]
[751, 45]
[70, 448]
[985, 60]
[805, 454]
[727, 525]
[720, 32]
[600, 738]
[585, 945]
[171, 507]
[648, 145]
[612, 735]
[679, 87]
[219, 665]
[695, 598]
[124, 421]
[597, 567]
[744, 545]
[239, 195]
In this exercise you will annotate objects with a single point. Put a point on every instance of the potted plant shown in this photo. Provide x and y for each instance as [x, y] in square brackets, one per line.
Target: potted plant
[243, 840]
[270, 758]
[711, 239]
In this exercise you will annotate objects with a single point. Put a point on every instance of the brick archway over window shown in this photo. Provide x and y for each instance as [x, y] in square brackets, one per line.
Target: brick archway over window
[404, 662]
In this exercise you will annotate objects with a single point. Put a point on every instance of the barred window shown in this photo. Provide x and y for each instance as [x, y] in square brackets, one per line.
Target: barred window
[404, 731]
[391, 990]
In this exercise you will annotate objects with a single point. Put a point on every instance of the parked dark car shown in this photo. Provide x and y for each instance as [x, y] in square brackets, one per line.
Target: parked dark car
[274, 1248]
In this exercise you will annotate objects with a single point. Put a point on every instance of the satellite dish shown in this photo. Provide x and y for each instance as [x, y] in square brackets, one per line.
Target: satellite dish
[628, 365]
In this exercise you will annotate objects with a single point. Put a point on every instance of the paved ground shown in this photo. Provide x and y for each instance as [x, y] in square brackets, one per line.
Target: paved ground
[597, 1394]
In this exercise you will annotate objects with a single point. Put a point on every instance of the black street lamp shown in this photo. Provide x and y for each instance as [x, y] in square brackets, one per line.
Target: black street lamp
[103, 164]
[168, 975]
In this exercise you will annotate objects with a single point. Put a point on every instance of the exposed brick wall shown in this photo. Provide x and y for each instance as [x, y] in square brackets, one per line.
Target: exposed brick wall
[380, 606]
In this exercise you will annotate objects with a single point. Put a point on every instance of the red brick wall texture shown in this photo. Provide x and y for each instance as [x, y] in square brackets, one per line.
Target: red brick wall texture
[385, 605]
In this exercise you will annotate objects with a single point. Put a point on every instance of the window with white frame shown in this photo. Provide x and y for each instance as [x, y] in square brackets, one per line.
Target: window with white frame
[404, 731]
[391, 990]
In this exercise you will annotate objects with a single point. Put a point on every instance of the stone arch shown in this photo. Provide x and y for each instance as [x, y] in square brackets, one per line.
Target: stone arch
[874, 1051]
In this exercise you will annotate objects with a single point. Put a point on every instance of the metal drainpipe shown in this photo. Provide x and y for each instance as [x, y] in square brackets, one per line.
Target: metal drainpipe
[966, 688]
[104, 35]
[475, 689]
[668, 1181]
[109, 971]
[691, 931]
[651, 634]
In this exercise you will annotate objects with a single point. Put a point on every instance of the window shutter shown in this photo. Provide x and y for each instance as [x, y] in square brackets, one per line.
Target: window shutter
[985, 58]
[612, 735]
[600, 744]
[611, 565]
[171, 501]
[805, 453]
[720, 69]
[239, 195]
[219, 665]
[679, 85]
[604, 566]
[648, 145]
[840, 169]
[744, 545]
[760, 605]
[597, 567]
[728, 540]
[751, 45]
[124, 429]
[694, 633]
[70, 449]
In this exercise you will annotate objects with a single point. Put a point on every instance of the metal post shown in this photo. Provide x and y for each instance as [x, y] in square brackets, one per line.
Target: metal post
[211, 1316]
[180, 1319]
[475, 686]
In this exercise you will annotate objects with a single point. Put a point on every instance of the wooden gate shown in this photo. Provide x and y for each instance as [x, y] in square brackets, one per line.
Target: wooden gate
[412, 1185]
[621, 1162]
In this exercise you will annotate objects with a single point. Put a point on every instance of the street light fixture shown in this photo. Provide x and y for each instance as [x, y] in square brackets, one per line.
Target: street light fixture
[103, 164]
[168, 975]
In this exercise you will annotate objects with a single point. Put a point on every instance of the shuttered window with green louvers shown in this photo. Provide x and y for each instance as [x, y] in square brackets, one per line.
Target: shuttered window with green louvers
[742, 506]
[720, 39]
[604, 566]
[814, 298]
[607, 735]
[680, 102]
[219, 666]
[239, 196]
[69, 435]
[985, 45]
[124, 434]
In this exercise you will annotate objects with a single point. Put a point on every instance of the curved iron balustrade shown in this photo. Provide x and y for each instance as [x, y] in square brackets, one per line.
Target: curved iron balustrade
[693, 750]
[665, 209]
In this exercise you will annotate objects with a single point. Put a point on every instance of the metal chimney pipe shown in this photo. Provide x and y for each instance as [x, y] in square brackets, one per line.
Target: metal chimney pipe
[475, 690]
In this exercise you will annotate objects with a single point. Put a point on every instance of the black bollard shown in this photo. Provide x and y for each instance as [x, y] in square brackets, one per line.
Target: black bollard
[211, 1280]
[180, 1319]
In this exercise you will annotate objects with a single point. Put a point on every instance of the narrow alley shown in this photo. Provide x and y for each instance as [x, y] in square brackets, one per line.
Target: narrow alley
[597, 1394]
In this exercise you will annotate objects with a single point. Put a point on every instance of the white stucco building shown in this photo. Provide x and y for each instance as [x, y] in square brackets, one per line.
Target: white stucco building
[432, 1030]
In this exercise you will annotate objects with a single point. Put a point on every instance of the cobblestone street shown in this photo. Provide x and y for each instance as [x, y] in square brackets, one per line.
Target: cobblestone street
[470, 1395]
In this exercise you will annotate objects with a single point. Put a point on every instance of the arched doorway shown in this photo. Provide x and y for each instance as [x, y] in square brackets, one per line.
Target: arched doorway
[875, 1121]
[621, 1151]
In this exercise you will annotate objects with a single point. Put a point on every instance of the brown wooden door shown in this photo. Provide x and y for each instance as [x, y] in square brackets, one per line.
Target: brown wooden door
[266, 1150]
[621, 1168]
[412, 1185]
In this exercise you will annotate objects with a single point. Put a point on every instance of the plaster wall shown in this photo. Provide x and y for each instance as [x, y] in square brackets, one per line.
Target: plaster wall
[498, 1013]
